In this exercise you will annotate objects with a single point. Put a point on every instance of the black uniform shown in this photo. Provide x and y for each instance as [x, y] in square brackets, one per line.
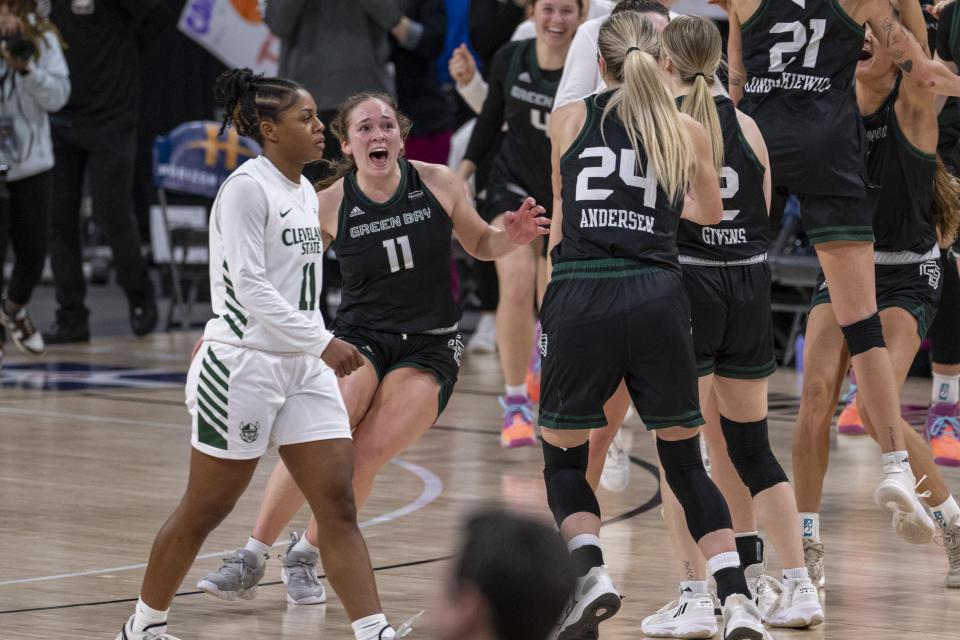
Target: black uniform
[901, 220]
[800, 65]
[725, 270]
[397, 303]
[615, 308]
[948, 48]
[521, 94]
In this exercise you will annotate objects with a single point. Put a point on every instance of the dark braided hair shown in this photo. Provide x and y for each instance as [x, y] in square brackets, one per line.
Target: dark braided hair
[249, 98]
[339, 127]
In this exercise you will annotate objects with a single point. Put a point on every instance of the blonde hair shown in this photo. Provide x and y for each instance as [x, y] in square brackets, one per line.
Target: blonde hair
[630, 46]
[695, 48]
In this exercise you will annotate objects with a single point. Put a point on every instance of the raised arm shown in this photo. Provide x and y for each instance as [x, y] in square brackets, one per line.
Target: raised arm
[478, 238]
[907, 53]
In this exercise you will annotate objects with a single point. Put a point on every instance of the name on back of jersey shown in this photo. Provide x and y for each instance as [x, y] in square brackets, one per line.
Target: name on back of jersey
[787, 80]
[619, 218]
[390, 222]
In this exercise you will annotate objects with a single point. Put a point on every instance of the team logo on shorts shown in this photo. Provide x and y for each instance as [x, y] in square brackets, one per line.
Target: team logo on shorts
[249, 431]
[543, 345]
[456, 345]
[931, 269]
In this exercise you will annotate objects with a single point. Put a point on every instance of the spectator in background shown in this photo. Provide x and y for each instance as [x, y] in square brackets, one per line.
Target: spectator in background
[491, 24]
[94, 136]
[338, 50]
[418, 91]
[33, 82]
[510, 581]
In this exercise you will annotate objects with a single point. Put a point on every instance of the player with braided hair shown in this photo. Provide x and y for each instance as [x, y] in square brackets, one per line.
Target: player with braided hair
[267, 367]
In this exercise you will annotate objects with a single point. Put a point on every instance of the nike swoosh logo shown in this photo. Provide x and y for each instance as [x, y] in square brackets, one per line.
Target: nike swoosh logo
[284, 213]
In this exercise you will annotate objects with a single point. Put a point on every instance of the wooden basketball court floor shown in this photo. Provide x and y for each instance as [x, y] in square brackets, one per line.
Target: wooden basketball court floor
[93, 457]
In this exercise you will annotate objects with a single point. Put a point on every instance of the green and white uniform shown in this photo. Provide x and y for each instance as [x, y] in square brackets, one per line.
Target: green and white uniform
[258, 376]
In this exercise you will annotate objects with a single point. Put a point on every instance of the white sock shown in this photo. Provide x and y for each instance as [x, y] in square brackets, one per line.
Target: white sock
[516, 390]
[796, 574]
[147, 617]
[945, 514]
[725, 560]
[693, 587]
[303, 545]
[261, 549]
[369, 628]
[895, 458]
[810, 525]
[945, 388]
[583, 540]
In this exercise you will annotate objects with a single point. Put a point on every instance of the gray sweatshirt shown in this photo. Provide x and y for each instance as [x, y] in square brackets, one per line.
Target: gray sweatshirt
[334, 48]
[26, 101]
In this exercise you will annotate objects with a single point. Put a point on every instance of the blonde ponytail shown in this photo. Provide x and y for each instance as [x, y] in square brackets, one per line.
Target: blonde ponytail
[695, 48]
[630, 46]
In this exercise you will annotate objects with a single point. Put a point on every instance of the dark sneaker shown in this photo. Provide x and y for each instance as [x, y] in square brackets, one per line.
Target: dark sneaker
[66, 333]
[143, 315]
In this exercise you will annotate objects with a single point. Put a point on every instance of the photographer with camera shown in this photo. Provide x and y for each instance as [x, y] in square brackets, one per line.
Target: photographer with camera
[34, 81]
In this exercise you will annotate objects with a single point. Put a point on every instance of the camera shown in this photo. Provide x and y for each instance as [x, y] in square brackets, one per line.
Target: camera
[19, 48]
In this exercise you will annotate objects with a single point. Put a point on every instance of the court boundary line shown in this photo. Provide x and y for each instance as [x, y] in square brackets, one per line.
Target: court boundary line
[647, 506]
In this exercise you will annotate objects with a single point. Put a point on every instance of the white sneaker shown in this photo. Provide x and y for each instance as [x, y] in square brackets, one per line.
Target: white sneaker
[896, 494]
[741, 619]
[798, 606]
[813, 559]
[616, 466]
[690, 616]
[594, 600]
[484, 338]
[764, 589]
[127, 633]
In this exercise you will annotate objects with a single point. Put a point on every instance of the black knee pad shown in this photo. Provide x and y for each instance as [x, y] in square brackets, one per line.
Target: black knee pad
[749, 447]
[864, 335]
[565, 474]
[703, 504]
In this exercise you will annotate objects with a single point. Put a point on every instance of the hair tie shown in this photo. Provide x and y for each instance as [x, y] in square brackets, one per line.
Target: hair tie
[631, 49]
[701, 74]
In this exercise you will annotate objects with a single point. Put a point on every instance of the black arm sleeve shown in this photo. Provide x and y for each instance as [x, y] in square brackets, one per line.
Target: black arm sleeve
[491, 24]
[943, 33]
[490, 120]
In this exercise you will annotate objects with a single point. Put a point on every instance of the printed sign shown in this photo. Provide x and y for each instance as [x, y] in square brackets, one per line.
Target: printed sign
[232, 31]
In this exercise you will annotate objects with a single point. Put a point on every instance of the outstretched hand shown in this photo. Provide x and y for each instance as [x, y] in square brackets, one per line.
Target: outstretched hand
[526, 223]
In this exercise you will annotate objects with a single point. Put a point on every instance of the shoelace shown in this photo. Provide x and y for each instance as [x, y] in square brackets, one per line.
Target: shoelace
[925, 494]
[616, 450]
[405, 628]
[523, 409]
[949, 539]
[939, 427]
[850, 396]
[228, 561]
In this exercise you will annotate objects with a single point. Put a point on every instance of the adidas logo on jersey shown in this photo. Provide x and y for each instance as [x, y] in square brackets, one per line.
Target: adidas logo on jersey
[525, 77]
[356, 211]
[413, 195]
